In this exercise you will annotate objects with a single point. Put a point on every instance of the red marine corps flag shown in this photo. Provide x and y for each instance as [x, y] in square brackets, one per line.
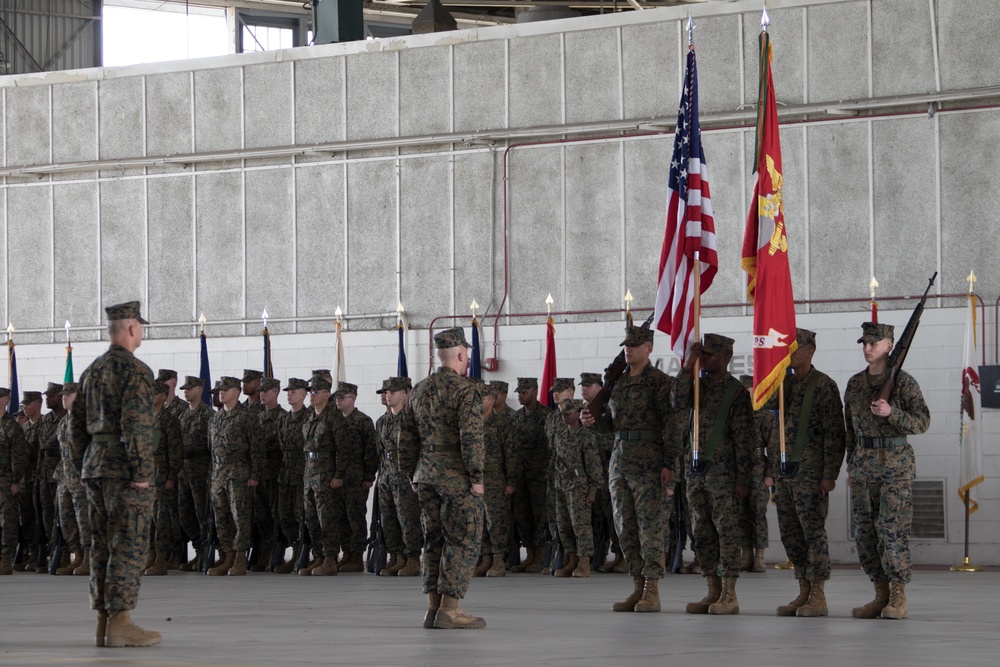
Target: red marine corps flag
[765, 247]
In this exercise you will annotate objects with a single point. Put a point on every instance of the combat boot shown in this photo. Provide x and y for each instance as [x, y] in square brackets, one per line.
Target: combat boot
[289, 567]
[621, 567]
[342, 560]
[158, 568]
[609, 566]
[816, 605]
[121, 631]
[6, 567]
[451, 617]
[714, 593]
[433, 604]
[896, 609]
[875, 607]
[316, 562]
[582, 570]
[239, 565]
[327, 569]
[28, 563]
[84, 568]
[758, 561]
[568, 566]
[102, 627]
[520, 567]
[72, 565]
[535, 566]
[173, 562]
[393, 566]
[484, 566]
[793, 606]
[229, 557]
[412, 567]
[628, 604]
[650, 600]
[262, 559]
[499, 568]
[191, 565]
[355, 563]
[150, 559]
[727, 603]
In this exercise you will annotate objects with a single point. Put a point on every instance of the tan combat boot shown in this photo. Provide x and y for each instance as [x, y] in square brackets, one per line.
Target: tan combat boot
[621, 567]
[72, 565]
[287, 568]
[484, 566]
[714, 592]
[158, 568]
[173, 563]
[191, 565]
[727, 603]
[121, 631]
[896, 609]
[28, 563]
[412, 567]
[582, 570]
[875, 607]
[758, 561]
[520, 567]
[392, 566]
[451, 617]
[793, 606]
[433, 604]
[499, 568]
[816, 605]
[239, 565]
[316, 562]
[327, 569]
[568, 566]
[609, 566]
[628, 604]
[6, 567]
[695, 567]
[84, 568]
[102, 627]
[354, 563]
[535, 566]
[222, 569]
[650, 600]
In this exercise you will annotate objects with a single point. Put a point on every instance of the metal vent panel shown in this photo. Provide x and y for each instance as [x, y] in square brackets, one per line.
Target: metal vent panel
[929, 510]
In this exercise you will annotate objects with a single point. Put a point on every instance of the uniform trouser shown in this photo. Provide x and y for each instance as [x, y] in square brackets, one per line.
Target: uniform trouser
[753, 514]
[162, 541]
[232, 504]
[325, 511]
[290, 510]
[452, 521]
[192, 501]
[176, 532]
[73, 520]
[47, 504]
[530, 509]
[639, 502]
[119, 521]
[8, 519]
[400, 514]
[354, 534]
[26, 510]
[601, 512]
[802, 511]
[715, 519]
[573, 520]
[264, 512]
[496, 530]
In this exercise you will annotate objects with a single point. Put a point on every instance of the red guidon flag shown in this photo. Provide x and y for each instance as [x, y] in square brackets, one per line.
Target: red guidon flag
[765, 249]
[549, 369]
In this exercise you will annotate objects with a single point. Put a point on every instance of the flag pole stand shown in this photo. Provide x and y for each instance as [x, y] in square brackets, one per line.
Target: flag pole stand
[966, 566]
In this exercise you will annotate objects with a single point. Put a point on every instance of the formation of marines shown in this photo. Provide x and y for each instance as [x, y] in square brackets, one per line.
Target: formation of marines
[464, 483]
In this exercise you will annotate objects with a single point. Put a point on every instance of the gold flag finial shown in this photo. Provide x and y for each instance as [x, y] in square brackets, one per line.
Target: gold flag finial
[473, 307]
[628, 300]
[263, 316]
[201, 321]
[338, 313]
[548, 302]
[873, 285]
[972, 281]
[67, 327]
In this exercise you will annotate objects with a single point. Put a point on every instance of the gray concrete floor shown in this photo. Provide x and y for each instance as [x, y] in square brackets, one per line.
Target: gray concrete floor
[356, 619]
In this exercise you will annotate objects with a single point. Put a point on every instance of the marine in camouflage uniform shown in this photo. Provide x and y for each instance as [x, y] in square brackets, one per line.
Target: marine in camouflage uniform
[265, 496]
[237, 461]
[31, 406]
[49, 460]
[603, 517]
[250, 385]
[642, 463]
[13, 467]
[177, 407]
[753, 508]
[111, 430]
[71, 495]
[398, 505]
[530, 494]
[713, 495]
[359, 479]
[292, 469]
[167, 455]
[329, 442]
[500, 475]
[196, 466]
[562, 389]
[441, 451]
[881, 467]
[576, 475]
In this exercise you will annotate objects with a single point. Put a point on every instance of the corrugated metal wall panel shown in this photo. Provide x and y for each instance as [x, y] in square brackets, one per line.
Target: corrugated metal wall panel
[46, 35]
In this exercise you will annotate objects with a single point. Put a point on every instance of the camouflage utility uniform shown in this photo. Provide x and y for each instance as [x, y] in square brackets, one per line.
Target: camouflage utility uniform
[290, 476]
[13, 467]
[265, 495]
[49, 460]
[576, 473]
[530, 495]
[501, 469]
[237, 456]
[328, 446]
[167, 446]
[195, 471]
[363, 466]
[398, 505]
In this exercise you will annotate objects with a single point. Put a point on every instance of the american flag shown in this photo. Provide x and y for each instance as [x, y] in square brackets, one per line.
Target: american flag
[690, 227]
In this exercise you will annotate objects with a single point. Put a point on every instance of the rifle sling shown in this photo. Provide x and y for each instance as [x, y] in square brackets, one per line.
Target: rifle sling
[721, 419]
[802, 426]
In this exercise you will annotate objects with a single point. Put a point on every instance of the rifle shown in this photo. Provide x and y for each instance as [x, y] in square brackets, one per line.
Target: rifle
[899, 350]
[208, 539]
[280, 545]
[41, 539]
[59, 541]
[376, 556]
[306, 541]
[679, 533]
[611, 376]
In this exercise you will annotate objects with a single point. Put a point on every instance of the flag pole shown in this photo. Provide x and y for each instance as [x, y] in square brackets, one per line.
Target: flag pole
[695, 444]
[966, 566]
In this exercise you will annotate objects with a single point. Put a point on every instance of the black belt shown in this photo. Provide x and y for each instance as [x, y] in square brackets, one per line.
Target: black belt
[880, 443]
[293, 455]
[316, 456]
[200, 454]
[638, 434]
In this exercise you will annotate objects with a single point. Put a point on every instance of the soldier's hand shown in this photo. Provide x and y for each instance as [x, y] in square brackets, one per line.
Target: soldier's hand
[591, 497]
[169, 485]
[849, 480]
[694, 353]
[881, 408]
[251, 483]
[336, 483]
[586, 418]
[138, 486]
[827, 485]
[742, 491]
[366, 485]
[768, 482]
[15, 489]
[413, 487]
[666, 476]
[508, 490]
[477, 489]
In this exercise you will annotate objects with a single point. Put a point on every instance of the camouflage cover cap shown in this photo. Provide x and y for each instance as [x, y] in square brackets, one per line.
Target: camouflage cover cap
[53, 389]
[590, 378]
[160, 387]
[31, 397]
[717, 343]
[805, 337]
[395, 384]
[747, 381]
[4, 392]
[563, 384]
[324, 373]
[635, 336]
[268, 384]
[320, 383]
[191, 381]
[20, 414]
[124, 311]
[70, 388]
[873, 333]
[570, 405]
[499, 386]
[450, 338]
[251, 375]
[524, 384]
[479, 382]
[296, 383]
[345, 389]
[165, 374]
[228, 382]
